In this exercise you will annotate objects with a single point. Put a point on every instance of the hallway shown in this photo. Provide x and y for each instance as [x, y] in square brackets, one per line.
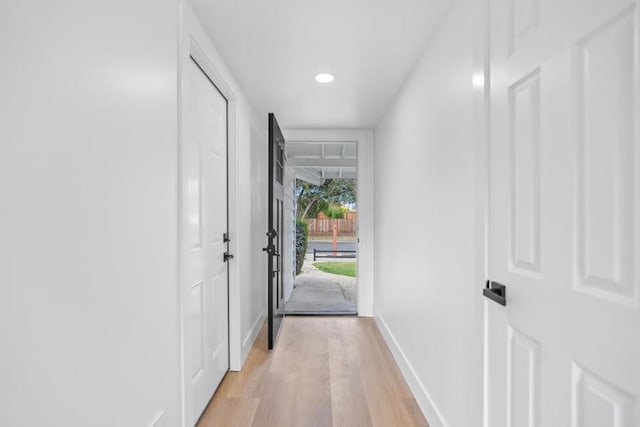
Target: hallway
[148, 222]
[326, 371]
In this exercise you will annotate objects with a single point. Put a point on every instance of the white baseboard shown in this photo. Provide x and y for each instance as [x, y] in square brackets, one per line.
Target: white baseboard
[424, 400]
[248, 341]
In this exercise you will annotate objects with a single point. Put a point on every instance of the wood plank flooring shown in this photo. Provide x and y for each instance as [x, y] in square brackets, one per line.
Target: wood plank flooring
[325, 371]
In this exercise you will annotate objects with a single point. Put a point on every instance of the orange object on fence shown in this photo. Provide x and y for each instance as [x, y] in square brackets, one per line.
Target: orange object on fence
[335, 239]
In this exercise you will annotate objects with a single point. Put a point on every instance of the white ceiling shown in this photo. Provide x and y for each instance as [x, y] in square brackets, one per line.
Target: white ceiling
[276, 47]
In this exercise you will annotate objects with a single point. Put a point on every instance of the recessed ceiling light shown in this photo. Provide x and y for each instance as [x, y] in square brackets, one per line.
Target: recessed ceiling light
[324, 78]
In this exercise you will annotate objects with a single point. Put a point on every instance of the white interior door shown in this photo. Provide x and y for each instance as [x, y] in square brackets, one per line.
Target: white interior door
[204, 284]
[565, 214]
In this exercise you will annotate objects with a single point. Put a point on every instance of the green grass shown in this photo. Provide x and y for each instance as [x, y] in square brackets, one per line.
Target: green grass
[341, 268]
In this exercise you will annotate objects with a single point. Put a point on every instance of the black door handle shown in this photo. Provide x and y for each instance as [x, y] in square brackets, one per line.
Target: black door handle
[496, 292]
[227, 256]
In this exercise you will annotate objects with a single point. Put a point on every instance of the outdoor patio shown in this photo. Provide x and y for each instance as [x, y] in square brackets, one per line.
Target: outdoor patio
[317, 292]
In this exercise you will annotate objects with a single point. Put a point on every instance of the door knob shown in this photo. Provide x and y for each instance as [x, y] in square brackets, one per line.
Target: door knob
[496, 292]
[227, 256]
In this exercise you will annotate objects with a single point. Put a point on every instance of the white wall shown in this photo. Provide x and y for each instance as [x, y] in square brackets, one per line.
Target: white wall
[88, 168]
[289, 249]
[88, 182]
[428, 284]
[254, 279]
[248, 201]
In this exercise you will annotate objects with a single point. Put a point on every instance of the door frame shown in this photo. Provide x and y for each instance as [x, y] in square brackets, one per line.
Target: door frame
[481, 82]
[364, 262]
[191, 42]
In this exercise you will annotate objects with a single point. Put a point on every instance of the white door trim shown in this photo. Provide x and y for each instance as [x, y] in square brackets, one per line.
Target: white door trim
[364, 141]
[189, 46]
[481, 81]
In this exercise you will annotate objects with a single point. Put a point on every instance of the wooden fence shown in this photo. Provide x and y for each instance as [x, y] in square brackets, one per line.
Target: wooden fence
[325, 226]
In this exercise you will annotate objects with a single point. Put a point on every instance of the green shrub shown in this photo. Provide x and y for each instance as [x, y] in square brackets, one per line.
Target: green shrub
[319, 206]
[334, 212]
[302, 234]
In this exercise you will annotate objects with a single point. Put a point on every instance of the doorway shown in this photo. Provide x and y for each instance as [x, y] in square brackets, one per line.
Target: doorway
[322, 186]
[363, 140]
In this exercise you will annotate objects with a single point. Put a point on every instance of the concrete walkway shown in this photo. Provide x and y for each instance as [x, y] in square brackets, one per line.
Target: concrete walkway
[328, 245]
[317, 292]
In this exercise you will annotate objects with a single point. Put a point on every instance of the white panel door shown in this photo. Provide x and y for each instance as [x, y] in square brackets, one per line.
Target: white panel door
[204, 284]
[565, 214]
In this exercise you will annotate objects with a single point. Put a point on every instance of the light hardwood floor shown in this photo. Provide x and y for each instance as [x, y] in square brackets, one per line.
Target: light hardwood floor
[324, 371]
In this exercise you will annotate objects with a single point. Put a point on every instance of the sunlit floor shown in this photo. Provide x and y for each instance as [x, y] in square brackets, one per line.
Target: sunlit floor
[325, 371]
